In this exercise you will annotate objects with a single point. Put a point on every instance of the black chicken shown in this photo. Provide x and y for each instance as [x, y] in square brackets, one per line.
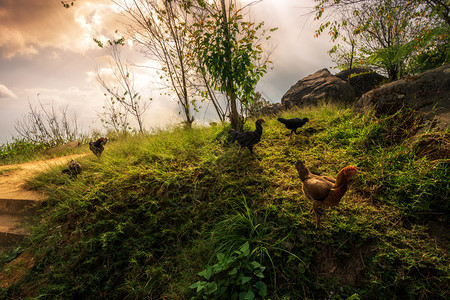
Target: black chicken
[293, 124]
[250, 138]
[74, 168]
[98, 146]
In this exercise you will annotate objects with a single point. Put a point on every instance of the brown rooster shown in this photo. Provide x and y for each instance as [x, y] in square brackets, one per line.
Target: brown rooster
[250, 138]
[324, 190]
[98, 146]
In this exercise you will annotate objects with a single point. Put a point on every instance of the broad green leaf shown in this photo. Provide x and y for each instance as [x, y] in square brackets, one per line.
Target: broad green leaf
[233, 272]
[255, 264]
[246, 279]
[199, 285]
[249, 295]
[211, 288]
[262, 288]
[245, 249]
[207, 273]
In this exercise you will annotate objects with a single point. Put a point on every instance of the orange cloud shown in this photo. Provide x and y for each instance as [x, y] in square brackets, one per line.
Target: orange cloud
[27, 26]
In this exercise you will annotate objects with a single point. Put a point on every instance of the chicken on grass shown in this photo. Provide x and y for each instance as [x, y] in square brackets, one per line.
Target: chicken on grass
[98, 146]
[324, 190]
[74, 168]
[250, 138]
[293, 124]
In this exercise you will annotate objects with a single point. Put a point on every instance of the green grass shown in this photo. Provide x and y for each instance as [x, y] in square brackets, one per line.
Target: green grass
[155, 210]
[21, 151]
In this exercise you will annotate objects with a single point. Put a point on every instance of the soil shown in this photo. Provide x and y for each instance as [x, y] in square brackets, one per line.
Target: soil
[348, 270]
[15, 270]
[13, 179]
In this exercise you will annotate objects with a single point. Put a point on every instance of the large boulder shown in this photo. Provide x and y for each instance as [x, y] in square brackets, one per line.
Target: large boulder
[345, 74]
[321, 86]
[361, 79]
[428, 93]
[269, 110]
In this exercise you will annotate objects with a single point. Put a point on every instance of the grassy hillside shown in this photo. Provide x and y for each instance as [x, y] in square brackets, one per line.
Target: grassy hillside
[181, 214]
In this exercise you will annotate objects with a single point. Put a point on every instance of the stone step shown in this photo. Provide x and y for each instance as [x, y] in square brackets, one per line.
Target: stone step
[18, 206]
[10, 229]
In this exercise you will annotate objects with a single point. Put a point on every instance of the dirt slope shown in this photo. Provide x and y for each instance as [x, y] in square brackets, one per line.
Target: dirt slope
[16, 199]
[13, 197]
[14, 177]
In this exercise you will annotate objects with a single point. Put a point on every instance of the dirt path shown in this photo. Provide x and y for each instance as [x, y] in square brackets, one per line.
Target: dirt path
[14, 177]
[16, 200]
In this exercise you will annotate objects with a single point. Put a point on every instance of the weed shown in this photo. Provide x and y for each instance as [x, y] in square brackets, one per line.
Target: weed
[233, 276]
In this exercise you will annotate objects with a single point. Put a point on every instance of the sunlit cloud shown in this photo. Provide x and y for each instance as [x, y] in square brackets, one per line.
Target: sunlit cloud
[28, 26]
[6, 93]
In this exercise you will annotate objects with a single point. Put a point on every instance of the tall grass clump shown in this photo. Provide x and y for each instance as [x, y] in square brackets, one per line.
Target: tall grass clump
[180, 214]
[19, 150]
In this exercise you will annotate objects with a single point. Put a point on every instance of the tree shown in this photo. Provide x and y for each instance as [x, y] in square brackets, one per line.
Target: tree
[229, 53]
[441, 8]
[207, 92]
[324, 9]
[124, 92]
[345, 55]
[114, 116]
[163, 30]
[389, 28]
[158, 27]
[389, 33]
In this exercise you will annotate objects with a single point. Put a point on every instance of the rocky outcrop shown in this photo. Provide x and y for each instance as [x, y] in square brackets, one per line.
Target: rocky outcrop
[361, 79]
[271, 109]
[428, 93]
[319, 87]
[345, 74]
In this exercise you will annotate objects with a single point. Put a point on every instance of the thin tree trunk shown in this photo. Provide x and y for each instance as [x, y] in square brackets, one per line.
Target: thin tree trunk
[234, 116]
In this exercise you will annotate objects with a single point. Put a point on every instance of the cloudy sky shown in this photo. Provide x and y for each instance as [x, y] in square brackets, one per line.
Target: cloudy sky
[47, 54]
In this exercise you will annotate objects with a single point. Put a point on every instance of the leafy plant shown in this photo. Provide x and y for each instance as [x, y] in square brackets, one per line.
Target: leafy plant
[396, 37]
[228, 48]
[232, 277]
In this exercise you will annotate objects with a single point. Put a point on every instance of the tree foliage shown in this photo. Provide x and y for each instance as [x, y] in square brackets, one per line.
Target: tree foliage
[158, 26]
[398, 37]
[228, 50]
[121, 91]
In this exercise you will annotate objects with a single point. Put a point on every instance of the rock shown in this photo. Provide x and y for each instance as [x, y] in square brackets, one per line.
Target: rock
[271, 109]
[361, 79]
[66, 146]
[345, 74]
[321, 86]
[428, 93]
